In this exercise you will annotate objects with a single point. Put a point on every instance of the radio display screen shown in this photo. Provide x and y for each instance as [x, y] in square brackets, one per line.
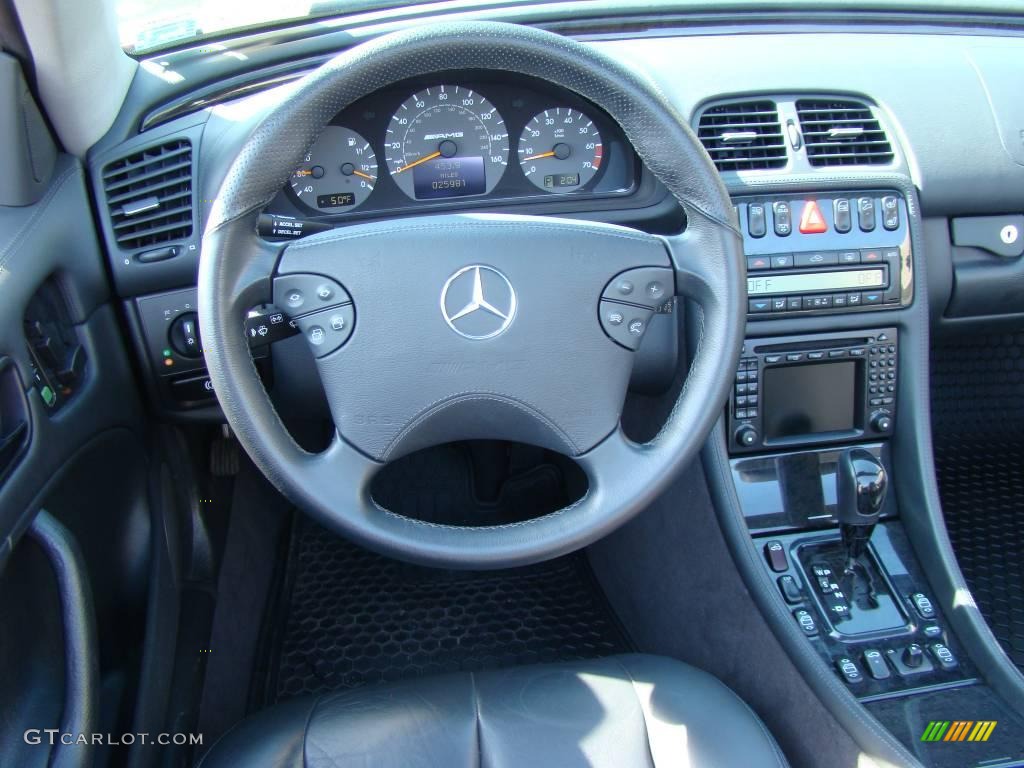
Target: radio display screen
[809, 399]
[846, 280]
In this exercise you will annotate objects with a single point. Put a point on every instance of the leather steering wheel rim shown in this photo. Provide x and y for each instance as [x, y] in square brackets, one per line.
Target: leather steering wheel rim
[706, 260]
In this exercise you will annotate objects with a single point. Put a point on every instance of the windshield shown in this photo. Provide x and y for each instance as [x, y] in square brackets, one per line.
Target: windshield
[147, 25]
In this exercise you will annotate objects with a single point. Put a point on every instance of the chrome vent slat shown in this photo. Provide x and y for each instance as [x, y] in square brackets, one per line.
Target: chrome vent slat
[842, 132]
[743, 136]
[149, 195]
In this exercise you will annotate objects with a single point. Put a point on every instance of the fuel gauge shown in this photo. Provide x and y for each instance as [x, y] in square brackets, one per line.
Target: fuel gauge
[338, 173]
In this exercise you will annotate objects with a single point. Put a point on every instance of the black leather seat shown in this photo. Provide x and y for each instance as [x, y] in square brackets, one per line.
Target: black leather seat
[619, 711]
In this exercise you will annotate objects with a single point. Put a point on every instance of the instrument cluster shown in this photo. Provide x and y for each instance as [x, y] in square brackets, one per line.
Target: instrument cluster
[455, 142]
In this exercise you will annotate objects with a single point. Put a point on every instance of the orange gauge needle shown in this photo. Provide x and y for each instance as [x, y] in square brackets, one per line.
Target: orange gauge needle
[417, 162]
[366, 175]
[538, 157]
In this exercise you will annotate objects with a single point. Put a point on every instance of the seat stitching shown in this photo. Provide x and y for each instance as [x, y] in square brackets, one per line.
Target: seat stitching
[639, 701]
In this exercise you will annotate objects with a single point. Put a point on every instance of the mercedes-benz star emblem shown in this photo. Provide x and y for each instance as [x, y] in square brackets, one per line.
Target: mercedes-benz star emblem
[478, 302]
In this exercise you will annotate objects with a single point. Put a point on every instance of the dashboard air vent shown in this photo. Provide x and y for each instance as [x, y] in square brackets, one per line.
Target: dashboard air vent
[842, 133]
[743, 136]
[149, 195]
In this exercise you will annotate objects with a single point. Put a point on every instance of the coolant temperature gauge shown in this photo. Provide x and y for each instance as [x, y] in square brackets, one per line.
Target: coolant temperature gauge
[338, 173]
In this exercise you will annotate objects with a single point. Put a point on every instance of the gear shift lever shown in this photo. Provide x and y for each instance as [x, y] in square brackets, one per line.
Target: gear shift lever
[861, 486]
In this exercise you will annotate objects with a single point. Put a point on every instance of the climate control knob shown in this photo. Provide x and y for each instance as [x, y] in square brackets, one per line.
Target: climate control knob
[746, 436]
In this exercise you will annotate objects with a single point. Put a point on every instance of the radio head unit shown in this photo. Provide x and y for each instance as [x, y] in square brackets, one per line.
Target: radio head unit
[835, 252]
[806, 390]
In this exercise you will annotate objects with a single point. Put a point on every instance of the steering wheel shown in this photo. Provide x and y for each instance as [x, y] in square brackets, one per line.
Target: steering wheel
[433, 329]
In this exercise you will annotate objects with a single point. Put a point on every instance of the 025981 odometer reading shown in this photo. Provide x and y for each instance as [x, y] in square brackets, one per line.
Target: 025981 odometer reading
[446, 141]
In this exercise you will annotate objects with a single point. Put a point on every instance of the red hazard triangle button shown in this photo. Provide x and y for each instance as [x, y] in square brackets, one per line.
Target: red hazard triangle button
[811, 220]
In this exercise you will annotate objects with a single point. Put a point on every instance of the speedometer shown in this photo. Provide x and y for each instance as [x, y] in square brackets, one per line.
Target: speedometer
[446, 141]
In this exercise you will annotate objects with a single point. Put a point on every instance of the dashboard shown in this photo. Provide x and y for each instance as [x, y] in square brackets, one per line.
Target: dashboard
[459, 141]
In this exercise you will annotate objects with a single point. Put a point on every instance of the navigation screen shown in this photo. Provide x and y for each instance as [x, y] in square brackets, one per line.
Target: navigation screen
[449, 177]
[809, 399]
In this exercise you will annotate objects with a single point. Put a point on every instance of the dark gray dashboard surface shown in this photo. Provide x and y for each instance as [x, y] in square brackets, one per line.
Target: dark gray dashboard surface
[932, 88]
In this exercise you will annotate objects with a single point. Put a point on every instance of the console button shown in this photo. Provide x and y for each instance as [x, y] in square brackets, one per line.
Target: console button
[853, 300]
[923, 605]
[794, 357]
[875, 662]
[790, 589]
[910, 661]
[772, 358]
[806, 622]
[192, 389]
[756, 219]
[849, 257]
[816, 258]
[815, 355]
[838, 299]
[794, 303]
[817, 302]
[871, 256]
[758, 262]
[756, 306]
[871, 297]
[857, 351]
[783, 216]
[841, 215]
[812, 222]
[866, 214]
[848, 669]
[837, 353]
[890, 212]
[932, 630]
[779, 304]
[782, 261]
[942, 655]
[775, 553]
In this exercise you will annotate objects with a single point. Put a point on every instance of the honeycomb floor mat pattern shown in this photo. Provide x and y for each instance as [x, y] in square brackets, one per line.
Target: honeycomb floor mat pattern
[982, 488]
[354, 617]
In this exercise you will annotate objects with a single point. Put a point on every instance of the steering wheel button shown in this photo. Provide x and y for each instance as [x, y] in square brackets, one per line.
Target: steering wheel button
[655, 287]
[327, 329]
[300, 293]
[626, 324]
[316, 335]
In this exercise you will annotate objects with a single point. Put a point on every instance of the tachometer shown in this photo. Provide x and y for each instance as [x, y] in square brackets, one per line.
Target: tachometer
[560, 150]
[446, 141]
[338, 173]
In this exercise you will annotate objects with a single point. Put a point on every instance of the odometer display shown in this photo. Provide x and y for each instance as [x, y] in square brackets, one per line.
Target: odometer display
[446, 141]
[560, 150]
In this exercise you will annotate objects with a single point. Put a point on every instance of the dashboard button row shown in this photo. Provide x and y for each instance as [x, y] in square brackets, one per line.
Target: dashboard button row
[812, 219]
[821, 259]
[779, 304]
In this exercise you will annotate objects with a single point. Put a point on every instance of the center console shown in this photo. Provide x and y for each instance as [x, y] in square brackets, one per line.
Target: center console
[809, 422]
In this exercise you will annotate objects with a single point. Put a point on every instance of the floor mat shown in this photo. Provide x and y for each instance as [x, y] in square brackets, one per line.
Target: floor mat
[355, 617]
[978, 415]
[982, 487]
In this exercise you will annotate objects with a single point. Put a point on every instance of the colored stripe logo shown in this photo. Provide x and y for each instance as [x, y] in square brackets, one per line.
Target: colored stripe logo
[959, 730]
